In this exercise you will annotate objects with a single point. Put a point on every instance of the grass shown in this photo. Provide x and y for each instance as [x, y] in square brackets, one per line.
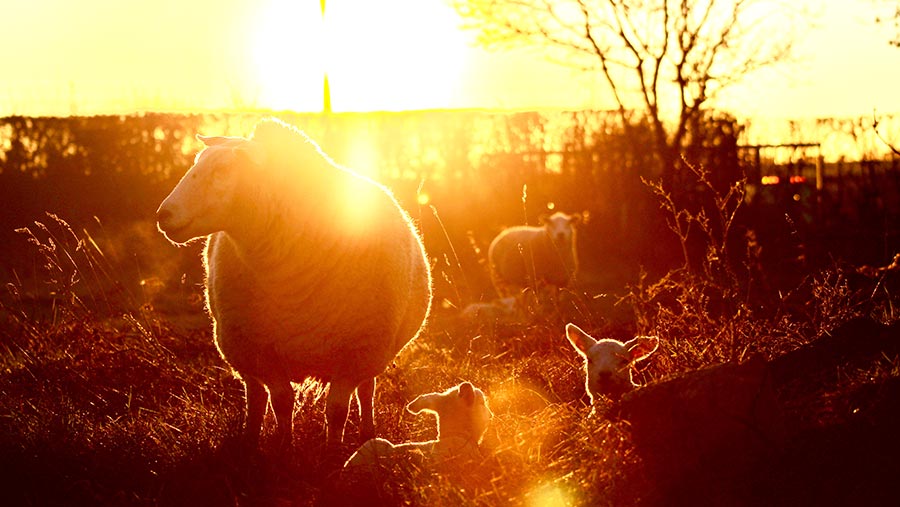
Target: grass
[110, 396]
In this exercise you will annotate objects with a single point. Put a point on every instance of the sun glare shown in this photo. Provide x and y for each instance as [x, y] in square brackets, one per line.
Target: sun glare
[395, 55]
[549, 495]
[360, 207]
[288, 64]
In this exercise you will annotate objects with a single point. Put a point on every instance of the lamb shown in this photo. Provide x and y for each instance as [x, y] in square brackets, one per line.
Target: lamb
[608, 362]
[312, 271]
[463, 417]
[530, 257]
[503, 310]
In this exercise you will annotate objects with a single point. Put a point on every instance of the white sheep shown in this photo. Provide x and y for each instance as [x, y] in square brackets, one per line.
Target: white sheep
[531, 257]
[463, 417]
[313, 271]
[608, 362]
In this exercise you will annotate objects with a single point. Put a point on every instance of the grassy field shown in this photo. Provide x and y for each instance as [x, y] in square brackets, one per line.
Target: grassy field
[113, 393]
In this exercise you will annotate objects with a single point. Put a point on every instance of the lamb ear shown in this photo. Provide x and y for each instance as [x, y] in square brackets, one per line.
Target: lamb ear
[575, 218]
[579, 339]
[467, 393]
[424, 402]
[641, 347]
[253, 151]
[543, 218]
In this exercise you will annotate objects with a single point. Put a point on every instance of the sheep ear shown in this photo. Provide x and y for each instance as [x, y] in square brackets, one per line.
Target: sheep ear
[211, 140]
[579, 339]
[253, 151]
[422, 403]
[575, 219]
[641, 347]
[467, 393]
[543, 218]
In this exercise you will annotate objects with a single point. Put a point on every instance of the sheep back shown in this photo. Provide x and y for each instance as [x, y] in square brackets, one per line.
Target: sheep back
[523, 255]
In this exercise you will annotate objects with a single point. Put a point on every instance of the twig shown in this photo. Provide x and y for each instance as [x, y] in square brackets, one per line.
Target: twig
[878, 134]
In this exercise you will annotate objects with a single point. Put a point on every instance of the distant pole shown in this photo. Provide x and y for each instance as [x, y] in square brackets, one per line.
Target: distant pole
[326, 88]
[326, 96]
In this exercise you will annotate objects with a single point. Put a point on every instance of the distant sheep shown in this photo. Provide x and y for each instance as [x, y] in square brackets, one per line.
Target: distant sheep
[313, 271]
[463, 416]
[530, 257]
[608, 362]
[503, 311]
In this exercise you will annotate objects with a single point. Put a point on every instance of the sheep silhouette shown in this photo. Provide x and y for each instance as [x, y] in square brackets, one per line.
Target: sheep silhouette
[313, 271]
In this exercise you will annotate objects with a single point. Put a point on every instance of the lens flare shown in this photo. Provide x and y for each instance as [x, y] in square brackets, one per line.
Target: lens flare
[549, 495]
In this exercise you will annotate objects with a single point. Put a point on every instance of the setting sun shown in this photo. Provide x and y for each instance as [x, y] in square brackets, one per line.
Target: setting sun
[406, 56]
[286, 55]
[98, 57]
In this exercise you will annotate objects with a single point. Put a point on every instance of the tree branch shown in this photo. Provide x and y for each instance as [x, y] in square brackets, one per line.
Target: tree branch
[878, 134]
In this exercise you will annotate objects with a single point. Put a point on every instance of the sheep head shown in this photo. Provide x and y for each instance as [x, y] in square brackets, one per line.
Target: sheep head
[560, 227]
[461, 411]
[608, 362]
[198, 205]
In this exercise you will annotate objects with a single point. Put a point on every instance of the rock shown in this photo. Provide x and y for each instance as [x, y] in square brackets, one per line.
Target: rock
[753, 434]
[703, 434]
[858, 340]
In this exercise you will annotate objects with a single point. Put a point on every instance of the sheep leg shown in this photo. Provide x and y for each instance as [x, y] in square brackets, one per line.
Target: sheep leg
[257, 398]
[337, 405]
[283, 405]
[365, 397]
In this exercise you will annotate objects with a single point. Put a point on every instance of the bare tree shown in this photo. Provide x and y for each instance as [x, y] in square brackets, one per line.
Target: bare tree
[664, 59]
[889, 14]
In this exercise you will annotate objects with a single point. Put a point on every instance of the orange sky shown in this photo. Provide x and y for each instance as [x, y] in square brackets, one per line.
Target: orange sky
[98, 56]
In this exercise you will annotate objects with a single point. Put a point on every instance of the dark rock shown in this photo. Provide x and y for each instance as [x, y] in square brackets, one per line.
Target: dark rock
[792, 431]
[704, 434]
[858, 340]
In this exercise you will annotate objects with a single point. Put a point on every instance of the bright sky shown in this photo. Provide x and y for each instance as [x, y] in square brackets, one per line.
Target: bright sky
[100, 56]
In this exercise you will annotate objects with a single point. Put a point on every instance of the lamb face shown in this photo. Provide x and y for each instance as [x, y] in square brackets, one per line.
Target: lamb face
[608, 362]
[198, 205]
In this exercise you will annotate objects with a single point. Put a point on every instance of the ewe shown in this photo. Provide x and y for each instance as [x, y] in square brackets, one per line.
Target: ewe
[313, 271]
[608, 362]
[529, 257]
[462, 418]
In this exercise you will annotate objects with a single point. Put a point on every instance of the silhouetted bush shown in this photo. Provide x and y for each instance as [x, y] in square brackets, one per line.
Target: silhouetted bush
[464, 175]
